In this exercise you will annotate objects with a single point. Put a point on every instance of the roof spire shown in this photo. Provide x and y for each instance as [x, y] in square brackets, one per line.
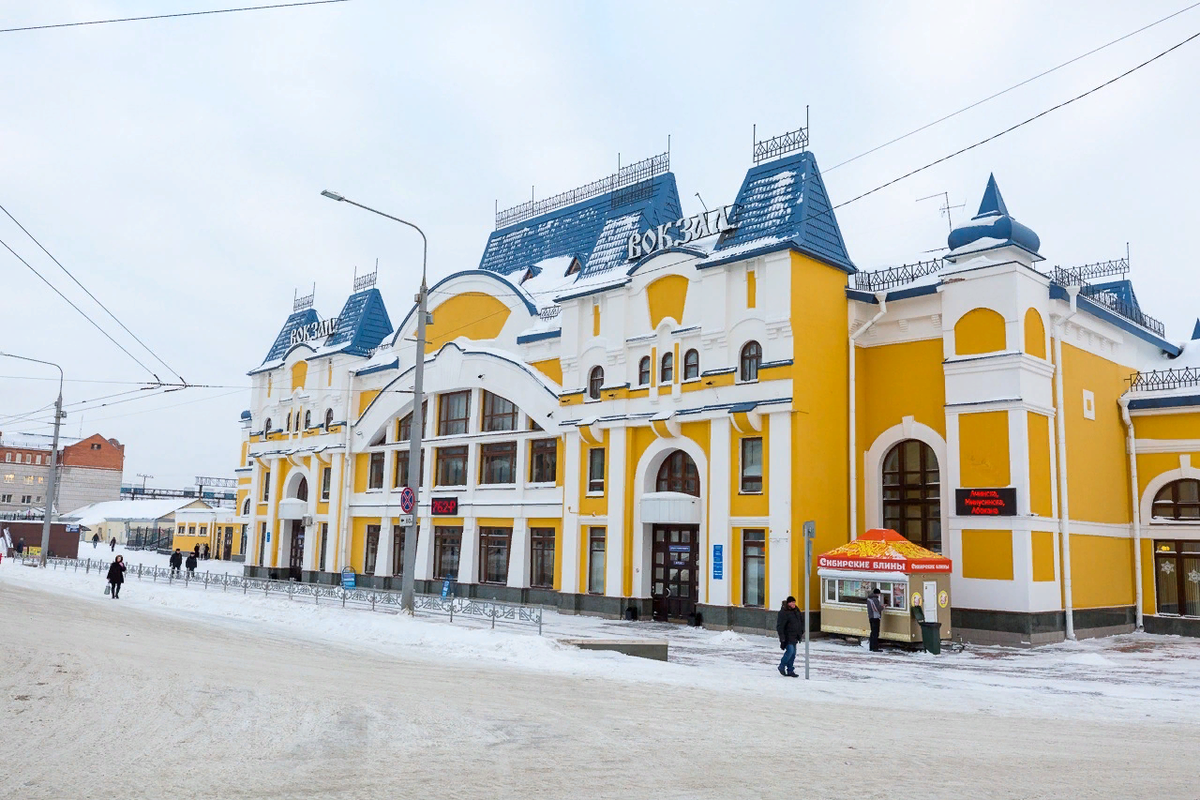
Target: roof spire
[1196, 330]
[993, 203]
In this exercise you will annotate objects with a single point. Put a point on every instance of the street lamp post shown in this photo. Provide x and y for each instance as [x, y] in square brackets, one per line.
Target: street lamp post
[50, 487]
[418, 421]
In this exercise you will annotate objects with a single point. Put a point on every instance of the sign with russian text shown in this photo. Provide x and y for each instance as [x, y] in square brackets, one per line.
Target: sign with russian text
[718, 562]
[444, 506]
[679, 232]
[315, 330]
[349, 579]
[985, 502]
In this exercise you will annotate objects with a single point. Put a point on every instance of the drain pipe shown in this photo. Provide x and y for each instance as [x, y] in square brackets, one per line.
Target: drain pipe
[881, 298]
[1061, 435]
[1131, 446]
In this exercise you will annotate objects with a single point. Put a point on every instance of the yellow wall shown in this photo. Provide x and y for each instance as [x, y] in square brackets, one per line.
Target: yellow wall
[299, 374]
[1097, 465]
[980, 330]
[551, 368]
[358, 541]
[820, 427]
[1151, 465]
[1149, 598]
[1043, 555]
[1041, 502]
[362, 469]
[364, 399]
[1101, 571]
[473, 315]
[983, 449]
[1168, 426]
[751, 288]
[987, 554]
[596, 505]
[1035, 334]
[666, 297]
[595, 320]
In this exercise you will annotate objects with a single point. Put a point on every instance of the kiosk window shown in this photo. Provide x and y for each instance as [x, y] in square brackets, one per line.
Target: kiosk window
[895, 595]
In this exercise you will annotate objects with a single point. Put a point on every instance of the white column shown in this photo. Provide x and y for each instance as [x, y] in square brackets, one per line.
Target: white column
[312, 532]
[570, 529]
[614, 536]
[779, 470]
[272, 507]
[518, 556]
[468, 557]
[383, 558]
[424, 567]
[720, 465]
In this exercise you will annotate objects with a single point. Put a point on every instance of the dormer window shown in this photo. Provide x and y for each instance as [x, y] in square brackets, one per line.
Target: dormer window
[573, 267]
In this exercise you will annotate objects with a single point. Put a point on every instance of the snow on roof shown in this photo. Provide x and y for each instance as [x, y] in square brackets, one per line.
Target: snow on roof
[128, 510]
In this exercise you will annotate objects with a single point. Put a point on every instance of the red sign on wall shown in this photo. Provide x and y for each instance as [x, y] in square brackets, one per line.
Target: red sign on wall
[985, 502]
[444, 506]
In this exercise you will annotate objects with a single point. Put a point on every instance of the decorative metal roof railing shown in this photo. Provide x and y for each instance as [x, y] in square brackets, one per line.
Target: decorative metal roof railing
[549, 312]
[1156, 379]
[365, 281]
[880, 279]
[301, 303]
[627, 176]
[1079, 276]
[1109, 300]
[784, 143]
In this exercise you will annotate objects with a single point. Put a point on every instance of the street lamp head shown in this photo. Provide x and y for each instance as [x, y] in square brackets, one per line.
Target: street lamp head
[332, 195]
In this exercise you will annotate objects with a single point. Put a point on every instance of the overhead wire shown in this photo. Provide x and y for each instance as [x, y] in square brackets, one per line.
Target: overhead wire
[171, 16]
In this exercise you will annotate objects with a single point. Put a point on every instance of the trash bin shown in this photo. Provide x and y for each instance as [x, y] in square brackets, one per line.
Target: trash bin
[931, 632]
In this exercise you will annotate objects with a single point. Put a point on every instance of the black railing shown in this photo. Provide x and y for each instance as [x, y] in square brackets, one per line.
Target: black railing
[1109, 299]
[1156, 379]
[881, 279]
[1079, 276]
[782, 144]
[628, 176]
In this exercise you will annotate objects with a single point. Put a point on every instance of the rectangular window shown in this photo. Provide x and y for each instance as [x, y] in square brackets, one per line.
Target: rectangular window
[543, 461]
[404, 432]
[541, 544]
[29, 479]
[262, 544]
[8, 456]
[494, 546]
[375, 474]
[452, 466]
[596, 470]
[191, 530]
[26, 499]
[498, 414]
[372, 550]
[752, 467]
[326, 481]
[397, 550]
[754, 567]
[447, 541]
[595, 560]
[324, 546]
[6, 498]
[203, 530]
[400, 473]
[1176, 570]
[454, 413]
[9, 478]
[498, 463]
[266, 481]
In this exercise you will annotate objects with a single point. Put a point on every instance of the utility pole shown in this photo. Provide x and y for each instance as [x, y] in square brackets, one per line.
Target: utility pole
[144, 477]
[51, 487]
[407, 585]
[810, 533]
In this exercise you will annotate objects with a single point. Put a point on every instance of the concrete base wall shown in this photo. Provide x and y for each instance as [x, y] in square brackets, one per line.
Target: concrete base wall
[980, 626]
[1173, 626]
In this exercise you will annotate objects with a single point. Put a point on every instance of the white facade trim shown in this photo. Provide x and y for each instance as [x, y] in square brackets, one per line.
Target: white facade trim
[909, 428]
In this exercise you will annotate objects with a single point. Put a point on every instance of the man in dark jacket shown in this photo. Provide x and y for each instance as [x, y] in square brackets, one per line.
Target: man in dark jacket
[191, 564]
[790, 626]
[874, 616]
[176, 562]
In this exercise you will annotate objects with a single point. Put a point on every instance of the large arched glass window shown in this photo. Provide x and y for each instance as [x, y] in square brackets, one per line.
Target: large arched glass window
[667, 373]
[691, 365]
[302, 489]
[595, 382]
[679, 474]
[912, 494]
[751, 360]
[644, 371]
[1178, 500]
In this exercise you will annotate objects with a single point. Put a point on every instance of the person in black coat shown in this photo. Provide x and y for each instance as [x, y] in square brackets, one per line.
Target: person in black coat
[191, 564]
[116, 576]
[113, 544]
[176, 562]
[790, 627]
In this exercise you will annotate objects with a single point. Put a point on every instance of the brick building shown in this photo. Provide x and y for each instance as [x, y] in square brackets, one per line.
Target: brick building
[91, 472]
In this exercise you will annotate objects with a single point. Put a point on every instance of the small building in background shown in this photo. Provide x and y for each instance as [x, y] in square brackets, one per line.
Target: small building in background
[146, 524]
[215, 528]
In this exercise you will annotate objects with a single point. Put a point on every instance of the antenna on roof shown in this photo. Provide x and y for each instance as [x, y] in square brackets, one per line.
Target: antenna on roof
[301, 303]
[945, 208]
[701, 199]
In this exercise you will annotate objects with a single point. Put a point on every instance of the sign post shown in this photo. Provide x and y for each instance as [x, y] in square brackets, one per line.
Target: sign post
[810, 532]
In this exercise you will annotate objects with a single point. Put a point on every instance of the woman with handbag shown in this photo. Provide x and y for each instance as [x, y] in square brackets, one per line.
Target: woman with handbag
[116, 576]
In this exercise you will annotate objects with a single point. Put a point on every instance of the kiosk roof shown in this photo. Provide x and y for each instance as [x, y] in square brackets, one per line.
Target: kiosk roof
[884, 550]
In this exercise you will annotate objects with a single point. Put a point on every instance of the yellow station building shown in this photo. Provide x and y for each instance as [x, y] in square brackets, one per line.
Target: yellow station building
[633, 412]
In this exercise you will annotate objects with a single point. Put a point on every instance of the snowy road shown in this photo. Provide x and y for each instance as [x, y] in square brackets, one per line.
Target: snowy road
[106, 699]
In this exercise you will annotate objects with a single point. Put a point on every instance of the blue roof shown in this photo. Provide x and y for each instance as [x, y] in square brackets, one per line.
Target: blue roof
[994, 222]
[1196, 330]
[283, 341]
[578, 230]
[362, 325]
[786, 200]
[1123, 289]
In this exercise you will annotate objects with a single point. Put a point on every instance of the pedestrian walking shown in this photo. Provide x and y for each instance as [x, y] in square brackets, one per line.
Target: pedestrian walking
[176, 562]
[191, 564]
[790, 626]
[116, 576]
[113, 544]
[21, 546]
[874, 616]
[95, 540]
[206, 551]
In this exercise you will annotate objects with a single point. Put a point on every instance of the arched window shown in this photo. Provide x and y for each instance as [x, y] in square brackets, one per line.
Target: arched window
[691, 365]
[912, 494]
[751, 360]
[288, 427]
[307, 419]
[246, 507]
[302, 489]
[667, 373]
[595, 382]
[679, 474]
[644, 371]
[297, 420]
[267, 426]
[328, 418]
[1178, 500]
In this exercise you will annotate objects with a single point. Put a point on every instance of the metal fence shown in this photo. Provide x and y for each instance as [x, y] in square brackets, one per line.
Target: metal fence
[492, 611]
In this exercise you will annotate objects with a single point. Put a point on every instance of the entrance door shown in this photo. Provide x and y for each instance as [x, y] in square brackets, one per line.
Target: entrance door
[676, 555]
[296, 562]
[227, 550]
[931, 601]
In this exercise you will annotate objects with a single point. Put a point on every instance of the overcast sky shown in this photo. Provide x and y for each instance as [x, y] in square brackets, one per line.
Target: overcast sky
[175, 166]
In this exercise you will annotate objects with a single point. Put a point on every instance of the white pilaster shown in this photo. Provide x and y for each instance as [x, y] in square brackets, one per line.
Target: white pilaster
[720, 465]
[272, 519]
[779, 544]
[425, 550]
[468, 558]
[518, 555]
[614, 537]
[570, 531]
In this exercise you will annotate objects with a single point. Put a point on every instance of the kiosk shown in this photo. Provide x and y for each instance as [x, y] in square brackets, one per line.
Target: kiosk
[906, 574]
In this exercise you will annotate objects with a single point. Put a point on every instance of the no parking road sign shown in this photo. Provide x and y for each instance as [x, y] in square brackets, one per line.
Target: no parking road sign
[407, 500]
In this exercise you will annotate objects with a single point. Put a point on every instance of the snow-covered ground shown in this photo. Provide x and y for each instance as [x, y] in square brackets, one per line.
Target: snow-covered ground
[152, 558]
